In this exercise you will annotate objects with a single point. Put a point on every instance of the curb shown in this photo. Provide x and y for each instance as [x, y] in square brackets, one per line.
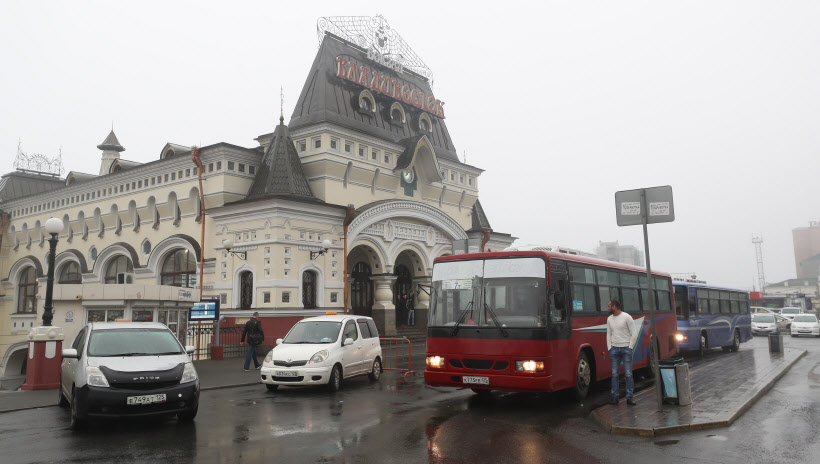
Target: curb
[724, 422]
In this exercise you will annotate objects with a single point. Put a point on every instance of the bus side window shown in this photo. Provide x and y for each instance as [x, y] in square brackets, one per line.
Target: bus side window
[558, 308]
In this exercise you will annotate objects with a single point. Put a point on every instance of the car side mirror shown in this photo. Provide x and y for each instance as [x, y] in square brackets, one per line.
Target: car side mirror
[348, 341]
[70, 353]
[190, 349]
[279, 341]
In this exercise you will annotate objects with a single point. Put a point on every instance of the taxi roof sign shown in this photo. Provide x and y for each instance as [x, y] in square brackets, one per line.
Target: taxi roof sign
[330, 313]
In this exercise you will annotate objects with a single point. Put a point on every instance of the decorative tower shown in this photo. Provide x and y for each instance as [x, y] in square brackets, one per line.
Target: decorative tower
[111, 149]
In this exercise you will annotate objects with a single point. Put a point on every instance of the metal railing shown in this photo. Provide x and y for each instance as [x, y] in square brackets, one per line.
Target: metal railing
[386, 345]
[207, 335]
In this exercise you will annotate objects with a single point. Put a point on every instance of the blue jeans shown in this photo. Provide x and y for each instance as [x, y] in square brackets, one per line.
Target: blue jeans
[251, 355]
[618, 354]
[411, 317]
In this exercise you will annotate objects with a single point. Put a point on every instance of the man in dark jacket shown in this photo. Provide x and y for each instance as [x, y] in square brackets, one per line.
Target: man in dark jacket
[253, 330]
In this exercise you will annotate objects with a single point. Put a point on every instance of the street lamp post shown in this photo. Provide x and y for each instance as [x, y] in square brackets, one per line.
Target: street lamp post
[53, 227]
[45, 342]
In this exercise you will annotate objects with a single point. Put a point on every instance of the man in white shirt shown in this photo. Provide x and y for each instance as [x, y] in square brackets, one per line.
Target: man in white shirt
[620, 340]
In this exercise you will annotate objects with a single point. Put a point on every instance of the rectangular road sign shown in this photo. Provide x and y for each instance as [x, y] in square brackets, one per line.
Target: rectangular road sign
[204, 311]
[630, 210]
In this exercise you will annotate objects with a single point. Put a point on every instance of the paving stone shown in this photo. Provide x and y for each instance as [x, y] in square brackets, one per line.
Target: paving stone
[722, 389]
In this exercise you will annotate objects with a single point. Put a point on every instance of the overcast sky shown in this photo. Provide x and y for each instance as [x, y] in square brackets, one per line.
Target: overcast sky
[562, 104]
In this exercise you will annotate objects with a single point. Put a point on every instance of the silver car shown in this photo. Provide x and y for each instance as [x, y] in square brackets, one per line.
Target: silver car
[766, 323]
[116, 369]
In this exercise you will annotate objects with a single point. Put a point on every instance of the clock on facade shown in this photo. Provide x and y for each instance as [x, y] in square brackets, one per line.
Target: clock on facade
[407, 175]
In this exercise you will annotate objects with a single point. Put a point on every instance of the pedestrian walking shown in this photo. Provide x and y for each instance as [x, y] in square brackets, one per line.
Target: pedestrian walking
[253, 330]
[620, 340]
[411, 308]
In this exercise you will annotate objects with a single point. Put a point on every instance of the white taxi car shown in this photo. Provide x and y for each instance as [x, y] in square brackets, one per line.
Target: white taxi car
[805, 324]
[324, 350]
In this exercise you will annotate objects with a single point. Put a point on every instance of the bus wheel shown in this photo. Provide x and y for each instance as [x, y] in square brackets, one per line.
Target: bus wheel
[583, 377]
[703, 348]
[735, 341]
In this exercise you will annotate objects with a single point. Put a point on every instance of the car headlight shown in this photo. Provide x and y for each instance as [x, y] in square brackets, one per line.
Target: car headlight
[318, 357]
[529, 366]
[189, 374]
[95, 377]
[435, 361]
[269, 357]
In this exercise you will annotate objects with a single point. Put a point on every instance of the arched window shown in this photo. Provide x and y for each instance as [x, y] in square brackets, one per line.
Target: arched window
[119, 271]
[309, 289]
[70, 274]
[27, 292]
[179, 269]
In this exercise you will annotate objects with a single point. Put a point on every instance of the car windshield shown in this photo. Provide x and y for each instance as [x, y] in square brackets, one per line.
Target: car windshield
[805, 318]
[764, 318]
[314, 332]
[133, 342]
[790, 311]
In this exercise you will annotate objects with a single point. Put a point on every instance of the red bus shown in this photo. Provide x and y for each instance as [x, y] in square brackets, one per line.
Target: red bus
[535, 321]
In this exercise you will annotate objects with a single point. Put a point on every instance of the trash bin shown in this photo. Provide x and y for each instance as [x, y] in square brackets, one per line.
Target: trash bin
[675, 381]
[775, 343]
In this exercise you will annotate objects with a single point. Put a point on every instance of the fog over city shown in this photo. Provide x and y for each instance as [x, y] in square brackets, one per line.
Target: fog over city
[562, 103]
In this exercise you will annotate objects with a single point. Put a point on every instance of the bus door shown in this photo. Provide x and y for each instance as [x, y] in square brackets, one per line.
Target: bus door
[559, 326]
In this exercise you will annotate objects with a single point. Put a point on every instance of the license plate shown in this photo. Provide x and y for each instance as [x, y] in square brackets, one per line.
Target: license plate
[286, 373]
[146, 399]
[476, 380]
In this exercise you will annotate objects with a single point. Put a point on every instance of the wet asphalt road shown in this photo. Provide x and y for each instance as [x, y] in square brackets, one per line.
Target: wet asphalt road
[397, 422]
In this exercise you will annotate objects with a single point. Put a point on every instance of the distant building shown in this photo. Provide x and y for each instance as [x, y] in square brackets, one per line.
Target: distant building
[807, 250]
[614, 251]
[789, 291]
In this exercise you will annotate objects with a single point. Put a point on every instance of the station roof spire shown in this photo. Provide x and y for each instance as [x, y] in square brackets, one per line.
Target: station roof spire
[111, 143]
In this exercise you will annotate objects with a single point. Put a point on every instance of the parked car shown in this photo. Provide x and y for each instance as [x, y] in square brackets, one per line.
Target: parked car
[805, 324]
[324, 350]
[789, 312]
[764, 324]
[116, 369]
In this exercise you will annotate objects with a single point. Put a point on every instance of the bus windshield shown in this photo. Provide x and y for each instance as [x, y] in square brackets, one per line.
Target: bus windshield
[504, 293]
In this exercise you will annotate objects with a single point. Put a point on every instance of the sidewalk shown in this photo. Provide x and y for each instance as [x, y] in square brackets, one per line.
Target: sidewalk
[213, 375]
[722, 390]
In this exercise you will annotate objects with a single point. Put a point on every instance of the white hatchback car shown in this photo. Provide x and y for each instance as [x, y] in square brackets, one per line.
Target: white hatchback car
[324, 350]
[805, 324]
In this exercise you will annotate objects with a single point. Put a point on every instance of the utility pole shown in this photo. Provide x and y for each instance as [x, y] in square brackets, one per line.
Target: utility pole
[758, 241]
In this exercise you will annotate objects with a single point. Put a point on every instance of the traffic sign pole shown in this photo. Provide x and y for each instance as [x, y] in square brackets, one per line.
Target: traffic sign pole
[653, 340]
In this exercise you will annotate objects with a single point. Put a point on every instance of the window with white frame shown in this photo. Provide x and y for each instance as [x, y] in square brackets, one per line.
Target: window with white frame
[334, 143]
[348, 147]
[362, 150]
[317, 142]
[285, 297]
[302, 146]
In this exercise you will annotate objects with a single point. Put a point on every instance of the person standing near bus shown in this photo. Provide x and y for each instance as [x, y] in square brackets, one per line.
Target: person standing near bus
[255, 334]
[620, 339]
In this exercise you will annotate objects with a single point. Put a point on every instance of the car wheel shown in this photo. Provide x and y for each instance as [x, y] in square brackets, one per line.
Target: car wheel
[77, 418]
[583, 377]
[271, 387]
[188, 416]
[735, 341]
[335, 382]
[377, 370]
[703, 347]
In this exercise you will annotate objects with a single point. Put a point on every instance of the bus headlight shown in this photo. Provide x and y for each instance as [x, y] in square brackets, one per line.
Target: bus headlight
[529, 366]
[435, 361]
[680, 337]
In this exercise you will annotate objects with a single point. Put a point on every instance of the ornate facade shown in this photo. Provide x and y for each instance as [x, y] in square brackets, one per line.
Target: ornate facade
[374, 172]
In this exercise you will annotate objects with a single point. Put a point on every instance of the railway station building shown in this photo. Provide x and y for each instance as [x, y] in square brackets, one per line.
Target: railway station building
[347, 204]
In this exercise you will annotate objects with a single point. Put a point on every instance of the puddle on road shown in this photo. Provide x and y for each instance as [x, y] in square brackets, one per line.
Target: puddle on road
[667, 442]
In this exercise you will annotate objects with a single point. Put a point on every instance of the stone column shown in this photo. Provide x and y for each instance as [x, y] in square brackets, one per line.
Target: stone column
[422, 301]
[384, 312]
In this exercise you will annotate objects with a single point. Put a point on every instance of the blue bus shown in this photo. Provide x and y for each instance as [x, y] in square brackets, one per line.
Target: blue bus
[711, 317]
